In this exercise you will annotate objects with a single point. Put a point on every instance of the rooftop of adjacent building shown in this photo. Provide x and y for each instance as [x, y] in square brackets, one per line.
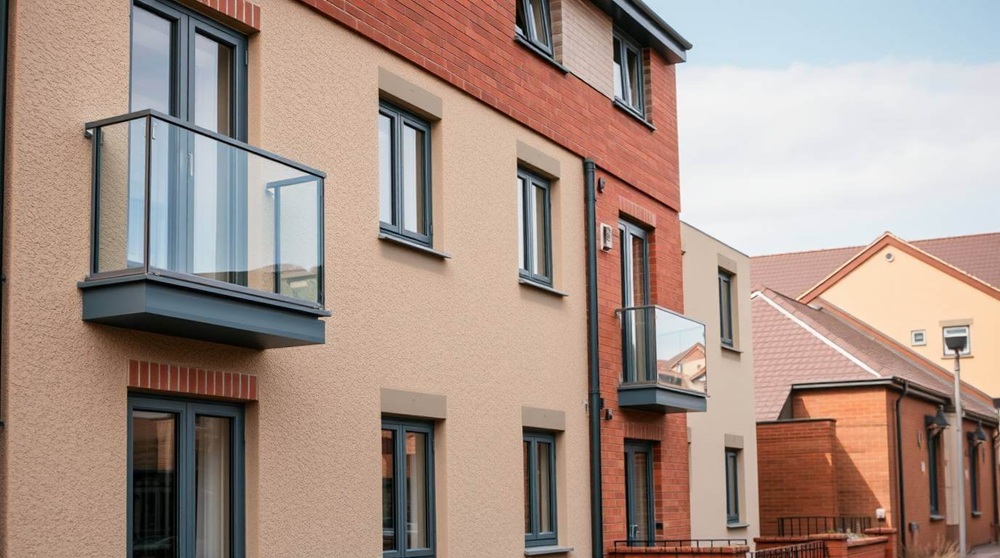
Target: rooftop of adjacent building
[797, 344]
[794, 273]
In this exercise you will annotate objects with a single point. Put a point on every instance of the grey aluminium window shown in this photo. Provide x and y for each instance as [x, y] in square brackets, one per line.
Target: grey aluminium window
[404, 174]
[932, 472]
[185, 479]
[539, 451]
[732, 486]
[974, 476]
[726, 308]
[534, 24]
[534, 227]
[408, 526]
[628, 74]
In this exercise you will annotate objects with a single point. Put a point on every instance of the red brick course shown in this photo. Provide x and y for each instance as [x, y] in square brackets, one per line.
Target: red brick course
[244, 14]
[471, 46]
[171, 378]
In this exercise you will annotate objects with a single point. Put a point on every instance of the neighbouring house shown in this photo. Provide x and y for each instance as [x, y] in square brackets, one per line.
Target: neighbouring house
[915, 292]
[853, 425]
[722, 441]
[310, 278]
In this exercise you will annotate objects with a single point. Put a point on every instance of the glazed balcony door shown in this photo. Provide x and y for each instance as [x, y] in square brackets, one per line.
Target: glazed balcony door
[194, 70]
[638, 365]
[639, 500]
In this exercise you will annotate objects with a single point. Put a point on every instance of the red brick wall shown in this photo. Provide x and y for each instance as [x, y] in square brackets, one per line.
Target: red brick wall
[795, 471]
[471, 46]
[864, 441]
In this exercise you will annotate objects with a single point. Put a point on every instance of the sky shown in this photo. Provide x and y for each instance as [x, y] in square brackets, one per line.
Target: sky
[821, 123]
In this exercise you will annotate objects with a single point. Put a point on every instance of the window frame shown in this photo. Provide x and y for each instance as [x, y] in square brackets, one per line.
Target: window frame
[400, 427]
[187, 411]
[528, 181]
[399, 119]
[968, 343]
[627, 231]
[537, 537]
[923, 337]
[974, 503]
[932, 474]
[633, 447]
[732, 478]
[726, 311]
[626, 43]
[546, 47]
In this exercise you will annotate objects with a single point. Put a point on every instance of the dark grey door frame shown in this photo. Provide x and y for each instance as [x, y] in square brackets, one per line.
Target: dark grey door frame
[628, 232]
[631, 492]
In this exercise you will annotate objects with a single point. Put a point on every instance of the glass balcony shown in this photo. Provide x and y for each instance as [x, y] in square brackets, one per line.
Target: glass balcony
[664, 365]
[199, 235]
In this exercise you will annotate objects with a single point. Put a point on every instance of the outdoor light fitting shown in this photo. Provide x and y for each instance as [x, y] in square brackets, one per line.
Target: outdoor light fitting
[978, 437]
[955, 342]
[937, 423]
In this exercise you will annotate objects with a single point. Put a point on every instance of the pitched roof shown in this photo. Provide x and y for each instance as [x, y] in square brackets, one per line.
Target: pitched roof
[798, 344]
[794, 273]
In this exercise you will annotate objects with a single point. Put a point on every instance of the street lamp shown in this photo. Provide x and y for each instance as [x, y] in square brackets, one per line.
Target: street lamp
[957, 340]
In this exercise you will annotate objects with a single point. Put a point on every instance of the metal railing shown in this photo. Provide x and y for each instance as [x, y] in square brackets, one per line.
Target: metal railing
[814, 549]
[181, 201]
[817, 525]
[680, 545]
[663, 347]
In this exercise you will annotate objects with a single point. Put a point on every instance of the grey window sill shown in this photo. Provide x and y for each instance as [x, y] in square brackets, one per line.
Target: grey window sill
[633, 113]
[731, 349]
[937, 517]
[541, 287]
[388, 237]
[540, 53]
[952, 357]
[545, 550]
[977, 514]
[737, 525]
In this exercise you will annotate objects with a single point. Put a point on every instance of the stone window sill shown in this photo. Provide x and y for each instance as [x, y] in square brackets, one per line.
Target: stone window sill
[541, 287]
[547, 550]
[400, 241]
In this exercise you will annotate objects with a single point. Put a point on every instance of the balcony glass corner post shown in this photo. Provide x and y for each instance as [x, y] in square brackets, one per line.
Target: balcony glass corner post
[95, 199]
[147, 193]
[321, 242]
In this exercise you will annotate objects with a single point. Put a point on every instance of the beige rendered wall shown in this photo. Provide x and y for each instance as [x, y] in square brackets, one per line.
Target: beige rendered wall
[462, 328]
[730, 415]
[906, 294]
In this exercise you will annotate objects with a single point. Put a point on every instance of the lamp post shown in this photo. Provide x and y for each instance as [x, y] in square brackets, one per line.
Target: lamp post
[957, 342]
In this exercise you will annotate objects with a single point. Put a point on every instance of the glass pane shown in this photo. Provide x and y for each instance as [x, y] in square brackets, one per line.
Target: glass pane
[388, 491]
[416, 491]
[154, 485]
[213, 85]
[732, 486]
[634, 78]
[641, 328]
[618, 68]
[527, 486]
[519, 23]
[212, 456]
[540, 265]
[121, 196]
[413, 180]
[544, 488]
[522, 262]
[639, 296]
[226, 214]
[640, 490]
[152, 68]
[725, 309]
[540, 30]
[385, 169]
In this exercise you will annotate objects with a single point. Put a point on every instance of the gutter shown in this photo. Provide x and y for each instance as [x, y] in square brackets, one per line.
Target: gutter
[900, 490]
[594, 403]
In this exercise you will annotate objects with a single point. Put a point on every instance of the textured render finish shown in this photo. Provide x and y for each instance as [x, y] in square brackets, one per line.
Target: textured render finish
[587, 49]
[907, 294]
[462, 328]
[397, 90]
[729, 421]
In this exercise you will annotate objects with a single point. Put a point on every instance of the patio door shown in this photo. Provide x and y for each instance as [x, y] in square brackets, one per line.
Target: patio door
[638, 365]
[193, 69]
[639, 500]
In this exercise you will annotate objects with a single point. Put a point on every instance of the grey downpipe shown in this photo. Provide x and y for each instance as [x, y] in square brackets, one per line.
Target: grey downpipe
[593, 366]
[900, 489]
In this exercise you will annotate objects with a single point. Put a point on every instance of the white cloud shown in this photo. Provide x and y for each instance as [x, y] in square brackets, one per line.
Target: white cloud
[810, 157]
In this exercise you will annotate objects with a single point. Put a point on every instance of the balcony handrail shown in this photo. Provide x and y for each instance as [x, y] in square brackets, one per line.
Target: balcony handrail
[680, 543]
[145, 113]
[620, 311]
